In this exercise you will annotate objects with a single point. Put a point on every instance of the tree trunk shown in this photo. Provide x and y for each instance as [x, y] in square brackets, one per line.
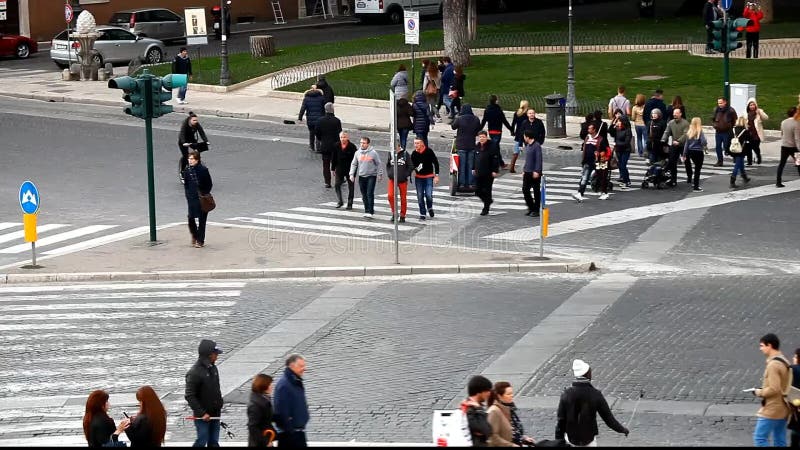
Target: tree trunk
[456, 39]
[766, 7]
[261, 46]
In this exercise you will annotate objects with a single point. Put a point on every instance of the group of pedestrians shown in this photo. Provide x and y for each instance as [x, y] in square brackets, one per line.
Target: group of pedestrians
[493, 420]
[282, 415]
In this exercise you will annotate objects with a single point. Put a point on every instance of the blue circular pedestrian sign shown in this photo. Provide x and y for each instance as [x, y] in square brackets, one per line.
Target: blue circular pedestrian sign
[29, 197]
[411, 24]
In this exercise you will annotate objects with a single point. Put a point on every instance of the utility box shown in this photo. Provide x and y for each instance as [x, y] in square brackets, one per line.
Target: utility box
[556, 116]
[740, 93]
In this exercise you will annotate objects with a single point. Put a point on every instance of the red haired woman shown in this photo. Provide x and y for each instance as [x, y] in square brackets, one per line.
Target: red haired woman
[98, 427]
[149, 425]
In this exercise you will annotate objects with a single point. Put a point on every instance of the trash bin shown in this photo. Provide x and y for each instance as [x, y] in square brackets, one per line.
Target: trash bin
[556, 116]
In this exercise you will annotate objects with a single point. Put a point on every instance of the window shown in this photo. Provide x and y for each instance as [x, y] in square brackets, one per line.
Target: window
[121, 19]
[162, 15]
[118, 35]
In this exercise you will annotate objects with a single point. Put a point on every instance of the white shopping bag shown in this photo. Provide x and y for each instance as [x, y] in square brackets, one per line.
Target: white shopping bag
[451, 429]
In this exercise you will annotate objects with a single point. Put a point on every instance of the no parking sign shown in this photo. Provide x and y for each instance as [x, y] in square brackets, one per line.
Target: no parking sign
[411, 27]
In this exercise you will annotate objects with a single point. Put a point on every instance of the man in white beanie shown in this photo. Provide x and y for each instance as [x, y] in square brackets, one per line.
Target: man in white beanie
[578, 409]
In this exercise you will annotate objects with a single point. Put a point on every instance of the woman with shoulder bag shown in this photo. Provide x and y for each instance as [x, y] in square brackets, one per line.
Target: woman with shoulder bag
[430, 86]
[739, 143]
[198, 184]
[191, 137]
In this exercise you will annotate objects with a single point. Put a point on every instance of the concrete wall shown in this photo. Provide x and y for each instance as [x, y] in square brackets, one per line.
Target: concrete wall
[47, 18]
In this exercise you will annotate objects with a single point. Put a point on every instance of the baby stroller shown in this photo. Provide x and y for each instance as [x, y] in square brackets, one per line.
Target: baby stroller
[657, 175]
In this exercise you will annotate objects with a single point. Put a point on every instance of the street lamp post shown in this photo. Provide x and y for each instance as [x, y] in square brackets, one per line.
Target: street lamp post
[224, 74]
[572, 103]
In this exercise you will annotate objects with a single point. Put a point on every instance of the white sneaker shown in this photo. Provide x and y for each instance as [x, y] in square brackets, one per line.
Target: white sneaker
[603, 196]
[578, 197]
[182, 102]
[366, 216]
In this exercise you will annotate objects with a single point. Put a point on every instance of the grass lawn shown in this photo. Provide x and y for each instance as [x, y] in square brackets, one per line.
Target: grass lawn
[244, 67]
[696, 79]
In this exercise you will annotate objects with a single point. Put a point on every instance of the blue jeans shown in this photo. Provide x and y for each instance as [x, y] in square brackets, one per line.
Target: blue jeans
[404, 137]
[424, 194]
[182, 92]
[367, 185]
[765, 427]
[465, 162]
[586, 175]
[738, 165]
[207, 433]
[723, 141]
[496, 139]
[622, 158]
[641, 139]
[517, 147]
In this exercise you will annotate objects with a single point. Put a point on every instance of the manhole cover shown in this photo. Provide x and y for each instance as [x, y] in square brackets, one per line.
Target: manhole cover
[650, 77]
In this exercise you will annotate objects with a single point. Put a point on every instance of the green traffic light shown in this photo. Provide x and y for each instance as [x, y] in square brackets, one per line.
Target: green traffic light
[717, 33]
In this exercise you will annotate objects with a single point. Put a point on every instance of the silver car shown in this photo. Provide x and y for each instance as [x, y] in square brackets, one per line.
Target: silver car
[157, 23]
[114, 45]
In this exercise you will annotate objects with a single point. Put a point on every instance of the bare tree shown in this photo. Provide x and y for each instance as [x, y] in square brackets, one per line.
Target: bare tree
[456, 35]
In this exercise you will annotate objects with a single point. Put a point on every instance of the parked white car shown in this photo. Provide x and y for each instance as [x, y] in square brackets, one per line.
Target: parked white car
[115, 45]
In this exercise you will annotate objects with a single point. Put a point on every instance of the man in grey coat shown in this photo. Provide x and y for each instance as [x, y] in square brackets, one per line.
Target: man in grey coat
[367, 167]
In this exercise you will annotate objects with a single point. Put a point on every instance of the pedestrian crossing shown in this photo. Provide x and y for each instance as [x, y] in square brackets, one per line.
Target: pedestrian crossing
[22, 73]
[107, 336]
[326, 219]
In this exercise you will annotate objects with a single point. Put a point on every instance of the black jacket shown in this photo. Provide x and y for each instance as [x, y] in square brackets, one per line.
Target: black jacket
[623, 138]
[341, 158]
[259, 418]
[496, 118]
[479, 427]
[652, 104]
[182, 65]
[538, 130]
[327, 90]
[202, 383]
[196, 178]
[487, 159]
[327, 131]
[140, 433]
[577, 413]
[405, 113]
[313, 107]
[422, 114]
[194, 136]
[291, 409]
[403, 170]
[467, 127]
[101, 430]
[516, 124]
[425, 163]
[656, 130]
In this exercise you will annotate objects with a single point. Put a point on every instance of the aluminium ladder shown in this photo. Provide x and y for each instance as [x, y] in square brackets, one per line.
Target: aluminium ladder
[277, 12]
[323, 8]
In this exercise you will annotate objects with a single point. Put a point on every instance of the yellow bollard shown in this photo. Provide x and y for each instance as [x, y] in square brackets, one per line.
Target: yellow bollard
[545, 220]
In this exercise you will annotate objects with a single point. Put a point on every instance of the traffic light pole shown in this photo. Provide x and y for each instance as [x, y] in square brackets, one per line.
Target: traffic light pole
[148, 128]
[726, 68]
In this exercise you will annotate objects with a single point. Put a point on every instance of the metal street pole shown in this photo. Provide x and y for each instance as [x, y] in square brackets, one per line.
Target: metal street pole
[413, 73]
[224, 75]
[393, 150]
[726, 72]
[572, 103]
[148, 127]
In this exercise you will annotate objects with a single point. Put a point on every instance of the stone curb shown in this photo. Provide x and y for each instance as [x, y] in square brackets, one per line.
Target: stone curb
[301, 272]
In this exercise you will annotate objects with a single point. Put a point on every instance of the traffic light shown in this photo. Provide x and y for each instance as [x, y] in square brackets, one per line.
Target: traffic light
[735, 28]
[133, 92]
[717, 32]
[168, 83]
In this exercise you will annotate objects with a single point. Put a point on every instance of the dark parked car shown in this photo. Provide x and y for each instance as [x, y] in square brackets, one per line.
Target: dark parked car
[17, 46]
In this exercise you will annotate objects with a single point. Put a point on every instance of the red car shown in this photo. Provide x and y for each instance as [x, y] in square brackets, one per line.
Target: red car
[17, 46]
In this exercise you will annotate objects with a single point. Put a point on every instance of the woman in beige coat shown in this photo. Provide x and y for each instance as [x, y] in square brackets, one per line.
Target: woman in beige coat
[507, 429]
[755, 124]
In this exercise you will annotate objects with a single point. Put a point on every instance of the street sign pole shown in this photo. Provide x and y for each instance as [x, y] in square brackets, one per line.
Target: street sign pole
[393, 150]
[29, 201]
[68, 18]
[726, 68]
[411, 30]
[148, 127]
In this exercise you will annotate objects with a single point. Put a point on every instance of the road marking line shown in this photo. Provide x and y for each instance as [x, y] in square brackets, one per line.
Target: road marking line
[644, 212]
[354, 223]
[14, 235]
[122, 305]
[61, 237]
[118, 295]
[121, 286]
[277, 224]
[5, 225]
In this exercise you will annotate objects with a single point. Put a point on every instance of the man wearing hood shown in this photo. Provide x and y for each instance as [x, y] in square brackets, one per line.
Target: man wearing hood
[327, 90]
[327, 132]
[578, 409]
[467, 127]
[291, 408]
[314, 108]
[204, 395]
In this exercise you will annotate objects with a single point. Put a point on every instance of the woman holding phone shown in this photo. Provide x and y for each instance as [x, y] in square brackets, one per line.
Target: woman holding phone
[149, 425]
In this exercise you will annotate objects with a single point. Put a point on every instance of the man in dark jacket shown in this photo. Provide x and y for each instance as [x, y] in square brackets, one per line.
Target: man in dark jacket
[327, 90]
[291, 409]
[203, 394]
[422, 116]
[327, 132]
[723, 121]
[479, 389]
[578, 409]
[467, 127]
[314, 108]
[496, 118]
[341, 158]
[486, 168]
[532, 174]
[655, 131]
[655, 102]
[448, 77]
[533, 123]
[182, 64]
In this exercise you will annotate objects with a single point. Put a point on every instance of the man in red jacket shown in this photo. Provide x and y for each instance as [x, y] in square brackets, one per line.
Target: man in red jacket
[752, 11]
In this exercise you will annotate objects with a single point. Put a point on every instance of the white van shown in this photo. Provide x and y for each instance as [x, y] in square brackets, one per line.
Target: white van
[393, 9]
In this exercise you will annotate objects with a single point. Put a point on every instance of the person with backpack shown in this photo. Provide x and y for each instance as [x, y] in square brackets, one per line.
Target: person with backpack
[772, 416]
[619, 102]
[578, 409]
[479, 389]
[403, 175]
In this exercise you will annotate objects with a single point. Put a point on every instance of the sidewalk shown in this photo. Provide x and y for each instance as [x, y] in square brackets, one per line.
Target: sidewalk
[233, 251]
